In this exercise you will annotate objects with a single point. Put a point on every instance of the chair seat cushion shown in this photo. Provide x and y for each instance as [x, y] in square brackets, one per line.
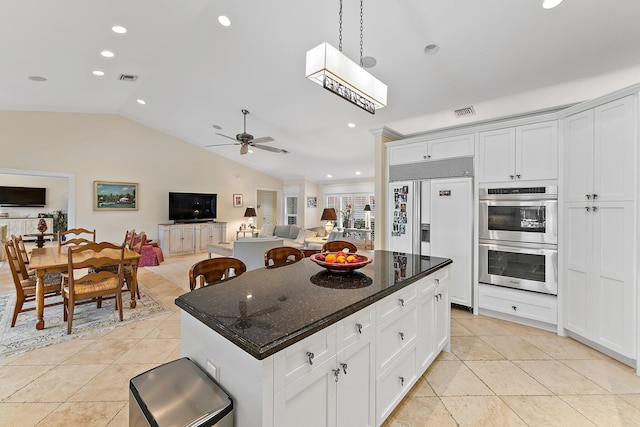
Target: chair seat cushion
[104, 285]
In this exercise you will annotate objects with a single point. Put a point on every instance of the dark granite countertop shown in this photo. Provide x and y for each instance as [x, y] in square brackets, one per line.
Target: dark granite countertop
[264, 311]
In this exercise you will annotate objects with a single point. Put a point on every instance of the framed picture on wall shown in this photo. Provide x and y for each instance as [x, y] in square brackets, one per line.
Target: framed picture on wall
[312, 202]
[237, 200]
[115, 196]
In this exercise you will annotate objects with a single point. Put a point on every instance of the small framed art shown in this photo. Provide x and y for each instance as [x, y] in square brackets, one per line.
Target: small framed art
[237, 200]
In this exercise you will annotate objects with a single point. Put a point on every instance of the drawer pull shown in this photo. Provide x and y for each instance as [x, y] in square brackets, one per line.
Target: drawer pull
[310, 357]
[401, 381]
[359, 327]
[401, 334]
[344, 368]
[401, 301]
[514, 308]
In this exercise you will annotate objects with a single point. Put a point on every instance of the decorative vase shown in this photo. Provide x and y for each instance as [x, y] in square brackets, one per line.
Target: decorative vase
[42, 226]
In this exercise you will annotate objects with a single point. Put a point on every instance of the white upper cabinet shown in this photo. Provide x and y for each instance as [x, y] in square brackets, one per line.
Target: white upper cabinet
[528, 152]
[432, 149]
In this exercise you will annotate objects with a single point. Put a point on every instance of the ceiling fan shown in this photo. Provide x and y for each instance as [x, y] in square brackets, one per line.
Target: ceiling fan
[246, 140]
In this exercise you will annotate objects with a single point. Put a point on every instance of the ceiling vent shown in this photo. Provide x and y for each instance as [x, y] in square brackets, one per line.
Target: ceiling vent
[128, 77]
[465, 112]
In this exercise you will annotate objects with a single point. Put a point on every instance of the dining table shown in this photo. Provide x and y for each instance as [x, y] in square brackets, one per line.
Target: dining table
[56, 259]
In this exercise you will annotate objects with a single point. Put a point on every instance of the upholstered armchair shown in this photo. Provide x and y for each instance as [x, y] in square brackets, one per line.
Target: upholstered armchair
[150, 253]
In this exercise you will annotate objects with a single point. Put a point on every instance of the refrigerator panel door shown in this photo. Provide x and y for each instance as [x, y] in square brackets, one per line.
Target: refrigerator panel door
[402, 216]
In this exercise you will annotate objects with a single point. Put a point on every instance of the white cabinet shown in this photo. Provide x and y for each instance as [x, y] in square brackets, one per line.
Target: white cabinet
[179, 239]
[516, 304]
[22, 226]
[432, 149]
[528, 152]
[599, 219]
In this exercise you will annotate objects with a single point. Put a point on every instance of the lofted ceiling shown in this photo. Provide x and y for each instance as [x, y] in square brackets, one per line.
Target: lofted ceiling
[194, 73]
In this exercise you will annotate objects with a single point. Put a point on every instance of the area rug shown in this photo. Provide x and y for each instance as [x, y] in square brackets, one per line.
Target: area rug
[86, 320]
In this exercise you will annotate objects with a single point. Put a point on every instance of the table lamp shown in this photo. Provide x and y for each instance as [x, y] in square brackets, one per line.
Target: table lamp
[329, 215]
[249, 213]
[367, 216]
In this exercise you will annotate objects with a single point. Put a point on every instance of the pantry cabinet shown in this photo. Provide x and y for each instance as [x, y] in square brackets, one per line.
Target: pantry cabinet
[528, 152]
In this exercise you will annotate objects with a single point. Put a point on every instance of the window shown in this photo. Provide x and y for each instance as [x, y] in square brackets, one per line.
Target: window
[291, 210]
[357, 202]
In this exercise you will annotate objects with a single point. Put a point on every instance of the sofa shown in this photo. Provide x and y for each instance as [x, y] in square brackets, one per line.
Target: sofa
[292, 235]
[251, 250]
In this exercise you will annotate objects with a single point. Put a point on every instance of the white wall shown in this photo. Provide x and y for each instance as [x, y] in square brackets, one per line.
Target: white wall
[105, 147]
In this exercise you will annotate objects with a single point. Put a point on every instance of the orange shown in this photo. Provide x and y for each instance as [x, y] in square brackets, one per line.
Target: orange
[351, 258]
[330, 258]
[341, 259]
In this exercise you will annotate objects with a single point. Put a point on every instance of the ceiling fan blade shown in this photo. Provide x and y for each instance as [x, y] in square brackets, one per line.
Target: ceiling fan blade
[272, 149]
[262, 140]
[244, 149]
[221, 145]
[225, 136]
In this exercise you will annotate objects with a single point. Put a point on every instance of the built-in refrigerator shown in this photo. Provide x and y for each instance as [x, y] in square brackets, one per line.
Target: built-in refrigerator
[435, 217]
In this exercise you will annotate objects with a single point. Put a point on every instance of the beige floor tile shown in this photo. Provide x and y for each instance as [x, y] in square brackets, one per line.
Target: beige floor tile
[473, 348]
[558, 377]
[167, 329]
[457, 330]
[457, 313]
[10, 358]
[420, 412]
[563, 347]
[480, 411]
[82, 414]
[505, 378]
[421, 388]
[111, 384]
[515, 348]
[610, 374]
[175, 354]
[57, 384]
[102, 351]
[121, 419]
[13, 378]
[483, 325]
[150, 351]
[454, 378]
[24, 414]
[52, 354]
[633, 399]
[605, 411]
[133, 330]
[546, 411]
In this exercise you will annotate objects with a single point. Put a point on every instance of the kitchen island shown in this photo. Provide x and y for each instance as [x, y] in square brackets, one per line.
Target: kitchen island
[298, 345]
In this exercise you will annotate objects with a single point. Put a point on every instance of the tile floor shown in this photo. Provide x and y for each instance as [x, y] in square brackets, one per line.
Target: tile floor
[497, 374]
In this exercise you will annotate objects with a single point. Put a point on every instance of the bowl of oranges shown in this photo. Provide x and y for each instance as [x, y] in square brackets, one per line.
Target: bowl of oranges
[340, 262]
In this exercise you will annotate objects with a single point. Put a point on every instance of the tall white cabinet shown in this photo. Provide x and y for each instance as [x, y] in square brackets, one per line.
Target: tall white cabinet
[599, 225]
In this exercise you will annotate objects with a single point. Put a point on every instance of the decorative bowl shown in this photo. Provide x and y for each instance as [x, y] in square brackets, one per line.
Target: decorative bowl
[336, 267]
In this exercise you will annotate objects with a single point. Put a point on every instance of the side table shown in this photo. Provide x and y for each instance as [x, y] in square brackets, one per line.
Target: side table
[252, 233]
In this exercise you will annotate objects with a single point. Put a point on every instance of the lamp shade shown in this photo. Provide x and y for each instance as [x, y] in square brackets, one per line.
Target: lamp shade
[329, 214]
[367, 208]
[250, 212]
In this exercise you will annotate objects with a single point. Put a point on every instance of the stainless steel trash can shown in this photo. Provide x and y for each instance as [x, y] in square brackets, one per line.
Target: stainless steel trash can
[178, 393]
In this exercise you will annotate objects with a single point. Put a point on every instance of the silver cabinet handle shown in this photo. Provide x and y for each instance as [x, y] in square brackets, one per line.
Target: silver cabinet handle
[359, 327]
[436, 297]
[587, 208]
[439, 296]
[336, 373]
[424, 157]
[588, 196]
[428, 156]
[401, 334]
[511, 176]
[595, 196]
[595, 208]
[401, 381]
[514, 308]
[344, 368]
[401, 301]
[437, 281]
[518, 176]
[310, 357]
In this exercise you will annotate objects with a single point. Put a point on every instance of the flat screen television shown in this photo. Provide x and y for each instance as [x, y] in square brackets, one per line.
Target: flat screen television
[192, 207]
[23, 196]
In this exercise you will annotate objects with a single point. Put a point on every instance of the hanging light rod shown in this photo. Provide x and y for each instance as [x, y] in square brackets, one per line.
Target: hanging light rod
[329, 67]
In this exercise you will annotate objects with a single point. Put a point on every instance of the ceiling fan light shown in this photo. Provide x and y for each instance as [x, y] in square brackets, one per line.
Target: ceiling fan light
[550, 4]
[244, 149]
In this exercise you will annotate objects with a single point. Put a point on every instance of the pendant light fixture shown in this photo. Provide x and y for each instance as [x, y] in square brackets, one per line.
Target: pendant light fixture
[329, 67]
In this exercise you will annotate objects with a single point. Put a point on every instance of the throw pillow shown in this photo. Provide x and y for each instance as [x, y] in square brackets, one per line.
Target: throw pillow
[266, 230]
[293, 231]
[304, 234]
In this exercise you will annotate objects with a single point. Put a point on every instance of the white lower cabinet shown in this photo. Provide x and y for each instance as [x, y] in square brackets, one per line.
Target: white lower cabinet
[515, 304]
[180, 239]
[22, 226]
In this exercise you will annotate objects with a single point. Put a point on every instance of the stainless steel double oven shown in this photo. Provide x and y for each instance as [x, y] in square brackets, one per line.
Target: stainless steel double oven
[518, 231]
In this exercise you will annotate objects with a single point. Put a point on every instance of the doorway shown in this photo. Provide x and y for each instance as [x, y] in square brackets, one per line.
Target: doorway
[267, 207]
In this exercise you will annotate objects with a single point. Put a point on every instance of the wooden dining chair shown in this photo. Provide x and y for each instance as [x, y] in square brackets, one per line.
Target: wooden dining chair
[26, 288]
[215, 270]
[281, 256]
[339, 245]
[84, 285]
[22, 250]
[76, 236]
[127, 270]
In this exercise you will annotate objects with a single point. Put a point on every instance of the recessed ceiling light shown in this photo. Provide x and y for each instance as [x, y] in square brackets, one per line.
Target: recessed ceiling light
[98, 73]
[107, 54]
[550, 4]
[369, 62]
[141, 101]
[357, 172]
[351, 125]
[217, 127]
[329, 175]
[431, 49]
[37, 78]
[119, 29]
[224, 21]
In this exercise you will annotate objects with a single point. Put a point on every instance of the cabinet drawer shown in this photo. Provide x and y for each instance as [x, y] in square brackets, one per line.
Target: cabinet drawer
[530, 305]
[439, 278]
[304, 356]
[394, 384]
[397, 303]
[395, 336]
[354, 327]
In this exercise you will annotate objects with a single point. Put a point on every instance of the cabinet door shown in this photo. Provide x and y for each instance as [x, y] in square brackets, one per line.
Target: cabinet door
[355, 388]
[537, 151]
[205, 237]
[14, 227]
[175, 239]
[188, 239]
[308, 401]
[614, 287]
[496, 159]
[454, 146]
[443, 311]
[408, 153]
[577, 250]
[426, 320]
[578, 156]
[614, 151]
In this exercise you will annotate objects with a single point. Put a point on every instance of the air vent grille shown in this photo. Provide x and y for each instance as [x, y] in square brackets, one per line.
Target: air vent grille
[128, 77]
[464, 112]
